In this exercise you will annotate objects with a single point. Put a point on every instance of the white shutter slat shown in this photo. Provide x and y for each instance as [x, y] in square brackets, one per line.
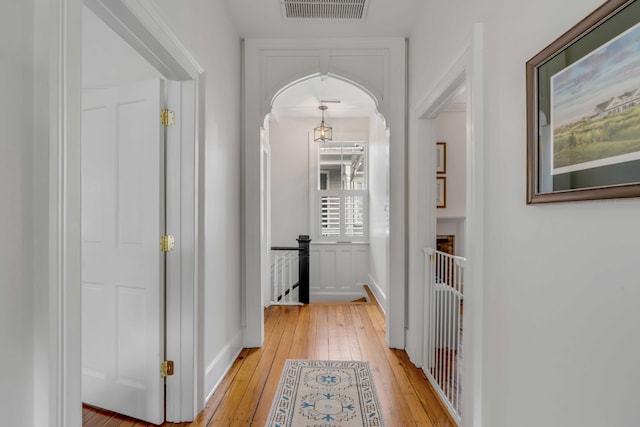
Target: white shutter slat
[330, 215]
[354, 216]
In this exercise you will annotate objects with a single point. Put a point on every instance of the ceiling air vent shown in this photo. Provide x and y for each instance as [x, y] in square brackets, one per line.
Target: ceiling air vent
[324, 9]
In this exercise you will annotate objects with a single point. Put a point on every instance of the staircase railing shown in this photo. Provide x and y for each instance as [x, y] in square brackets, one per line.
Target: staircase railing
[290, 273]
[445, 290]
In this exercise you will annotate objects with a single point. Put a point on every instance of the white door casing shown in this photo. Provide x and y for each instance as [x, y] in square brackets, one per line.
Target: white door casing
[122, 266]
[265, 209]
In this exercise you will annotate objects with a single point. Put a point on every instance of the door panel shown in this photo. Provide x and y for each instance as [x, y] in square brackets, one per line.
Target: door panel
[122, 266]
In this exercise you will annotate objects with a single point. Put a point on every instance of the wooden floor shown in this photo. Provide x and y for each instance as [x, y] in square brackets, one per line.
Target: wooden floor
[93, 417]
[334, 331]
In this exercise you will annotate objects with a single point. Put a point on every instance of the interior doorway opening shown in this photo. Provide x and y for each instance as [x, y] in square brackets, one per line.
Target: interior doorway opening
[335, 191]
[375, 66]
[452, 110]
[123, 212]
[444, 258]
[115, 55]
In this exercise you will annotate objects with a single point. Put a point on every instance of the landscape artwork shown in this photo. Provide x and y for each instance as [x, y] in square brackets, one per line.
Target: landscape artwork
[595, 107]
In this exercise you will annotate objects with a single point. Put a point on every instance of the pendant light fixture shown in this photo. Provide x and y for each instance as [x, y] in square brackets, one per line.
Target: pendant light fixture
[322, 133]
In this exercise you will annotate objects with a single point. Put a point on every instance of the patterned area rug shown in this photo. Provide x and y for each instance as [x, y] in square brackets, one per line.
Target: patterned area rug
[319, 393]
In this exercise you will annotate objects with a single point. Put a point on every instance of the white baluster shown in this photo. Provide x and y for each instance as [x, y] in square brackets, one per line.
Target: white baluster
[289, 276]
[444, 280]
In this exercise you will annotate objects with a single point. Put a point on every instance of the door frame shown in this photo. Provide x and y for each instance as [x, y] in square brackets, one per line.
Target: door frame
[265, 210]
[466, 71]
[142, 27]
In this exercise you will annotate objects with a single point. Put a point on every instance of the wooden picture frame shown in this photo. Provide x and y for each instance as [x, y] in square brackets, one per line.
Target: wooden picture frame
[441, 192]
[441, 157]
[583, 142]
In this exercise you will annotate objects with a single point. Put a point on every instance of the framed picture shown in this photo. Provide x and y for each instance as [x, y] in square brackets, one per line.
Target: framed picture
[446, 243]
[441, 192]
[441, 157]
[583, 110]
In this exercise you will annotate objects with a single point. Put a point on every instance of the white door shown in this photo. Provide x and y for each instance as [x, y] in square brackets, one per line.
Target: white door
[122, 266]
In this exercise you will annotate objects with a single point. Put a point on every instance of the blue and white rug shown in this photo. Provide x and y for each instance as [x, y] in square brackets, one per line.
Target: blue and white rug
[325, 393]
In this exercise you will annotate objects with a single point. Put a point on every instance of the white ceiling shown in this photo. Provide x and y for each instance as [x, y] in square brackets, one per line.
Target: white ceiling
[303, 100]
[263, 19]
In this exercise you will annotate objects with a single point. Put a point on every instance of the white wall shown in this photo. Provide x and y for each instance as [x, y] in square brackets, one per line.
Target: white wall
[289, 179]
[17, 219]
[561, 286]
[451, 127]
[378, 208]
[206, 31]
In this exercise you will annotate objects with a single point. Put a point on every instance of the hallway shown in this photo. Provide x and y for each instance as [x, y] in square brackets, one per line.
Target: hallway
[351, 331]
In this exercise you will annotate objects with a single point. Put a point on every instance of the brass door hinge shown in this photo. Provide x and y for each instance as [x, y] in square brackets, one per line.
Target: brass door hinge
[166, 243]
[167, 117]
[166, 368]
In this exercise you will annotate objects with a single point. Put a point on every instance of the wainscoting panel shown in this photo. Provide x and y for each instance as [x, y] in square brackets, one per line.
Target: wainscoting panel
[328, 275]
[345, 276]
[338, 271]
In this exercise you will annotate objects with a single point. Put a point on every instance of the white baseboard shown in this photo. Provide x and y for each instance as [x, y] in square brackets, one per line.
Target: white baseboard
[380, 295]
[337, 295]
[415, 354]
[219, 366]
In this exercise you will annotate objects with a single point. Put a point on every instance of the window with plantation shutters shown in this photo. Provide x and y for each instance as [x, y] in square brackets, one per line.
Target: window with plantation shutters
[342, 195]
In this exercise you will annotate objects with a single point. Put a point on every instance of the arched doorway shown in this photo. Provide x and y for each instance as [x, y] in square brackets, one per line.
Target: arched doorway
[377, 66]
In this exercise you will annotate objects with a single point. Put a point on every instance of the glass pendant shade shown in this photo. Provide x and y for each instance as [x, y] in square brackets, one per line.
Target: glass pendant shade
[323, 132]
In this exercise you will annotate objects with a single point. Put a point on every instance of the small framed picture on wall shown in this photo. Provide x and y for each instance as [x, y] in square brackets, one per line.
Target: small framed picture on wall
[441, 157]
[441, 192]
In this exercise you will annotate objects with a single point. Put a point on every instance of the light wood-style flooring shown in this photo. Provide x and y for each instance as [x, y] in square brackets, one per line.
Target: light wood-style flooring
[325, 331]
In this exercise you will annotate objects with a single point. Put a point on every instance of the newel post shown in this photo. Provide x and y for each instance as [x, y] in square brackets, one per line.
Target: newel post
[303, 264]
